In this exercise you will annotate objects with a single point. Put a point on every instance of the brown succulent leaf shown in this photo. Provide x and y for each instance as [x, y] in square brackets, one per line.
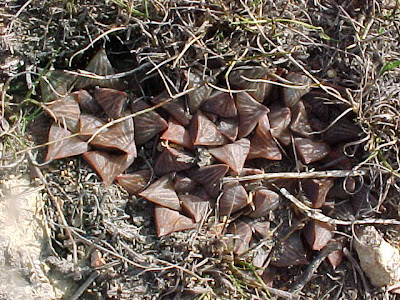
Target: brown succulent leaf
[279, 119]
[118, 137]
[263, 125]
[176, 108]
[162, 192]
[202, 193]
[258, 90]
[290, 252]
[65, 112]
[315, 102]
[210, 177]
[263, 144]
[57, 84]
[268, 276]
[264, 201]
[173, 160]
[341, 132]
[88, 125]
[204, 132]
[229, 127]
[134, 182]
[310, 151]
[250, 112]
[300, 124]
[107, 165]
[335, 258]
[337, 158]
[259, 259]
[318, 234]
[317, 189]
[261, 228]
[221, 104]
[212, 117]
[168, 221]
[343, 188]
[112, 101]
[68, 146]
[184, 184]
[234, 198]
[202, 91]
[242, 236]
[177, 134]
[86, 102]
[363, 200]
[292, 95]
[99, 65]
[195, 206]
[148, 124]
[234, 155]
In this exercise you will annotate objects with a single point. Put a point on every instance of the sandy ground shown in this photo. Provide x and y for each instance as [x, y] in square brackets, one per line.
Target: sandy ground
[22, 241]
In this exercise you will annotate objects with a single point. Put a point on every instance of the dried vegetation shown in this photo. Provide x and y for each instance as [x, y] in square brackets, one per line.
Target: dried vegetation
[290, 237]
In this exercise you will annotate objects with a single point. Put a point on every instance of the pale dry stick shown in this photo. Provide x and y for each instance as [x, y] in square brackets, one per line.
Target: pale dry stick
[56, 203]
[288, 84]
[225, 90]
[232, 66]
[115, 254]
[4, 88]
[316, 214]
[136, 265]
[95, 40]
[44, 77]
[156, 67]
[296, 175]
[163, 78]
[87, 74]
[172, 266]
[186, 48]
[19, 12]
[47, 143]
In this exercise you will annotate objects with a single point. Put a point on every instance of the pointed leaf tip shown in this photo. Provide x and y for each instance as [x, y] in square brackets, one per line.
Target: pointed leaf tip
[162, 192]
[168, 221]
[234, 155]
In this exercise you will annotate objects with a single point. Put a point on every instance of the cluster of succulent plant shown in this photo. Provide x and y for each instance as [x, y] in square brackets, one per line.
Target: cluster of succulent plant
[202, 137]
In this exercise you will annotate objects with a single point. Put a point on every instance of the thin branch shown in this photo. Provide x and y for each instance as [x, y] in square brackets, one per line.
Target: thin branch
[295, 175]
[316, 214]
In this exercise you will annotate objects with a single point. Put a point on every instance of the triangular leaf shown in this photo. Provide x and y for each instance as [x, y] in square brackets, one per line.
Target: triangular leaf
[112, 101]
[250, 112]
[210, 177]
[66, 147]
[149, 124]
[204, 132]
[108, 166]
[234, 155]
[234, 198]
[162, 193]
[168, 221]
[173, 160]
